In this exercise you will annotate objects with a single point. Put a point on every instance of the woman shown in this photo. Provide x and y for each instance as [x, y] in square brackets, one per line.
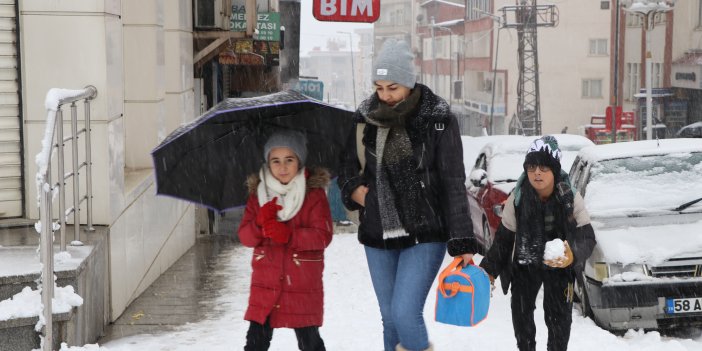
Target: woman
[288, 224]
[409, 185]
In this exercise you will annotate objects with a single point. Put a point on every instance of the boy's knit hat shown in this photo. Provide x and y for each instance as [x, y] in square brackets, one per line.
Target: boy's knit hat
[293, 140]
[544, 151]
[394, 63]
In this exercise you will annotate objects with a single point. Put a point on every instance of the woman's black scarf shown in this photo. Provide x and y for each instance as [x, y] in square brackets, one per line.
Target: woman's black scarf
[396, 182]
[531, 235]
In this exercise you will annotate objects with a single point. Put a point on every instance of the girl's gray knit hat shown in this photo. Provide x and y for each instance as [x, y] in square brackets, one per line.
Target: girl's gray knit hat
[293, 140]
[394, 63]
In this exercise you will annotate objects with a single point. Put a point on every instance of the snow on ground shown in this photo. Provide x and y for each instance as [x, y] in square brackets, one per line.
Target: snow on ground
[352, 318]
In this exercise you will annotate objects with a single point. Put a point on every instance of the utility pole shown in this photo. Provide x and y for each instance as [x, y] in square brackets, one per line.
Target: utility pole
[615, 88]
[527, 17]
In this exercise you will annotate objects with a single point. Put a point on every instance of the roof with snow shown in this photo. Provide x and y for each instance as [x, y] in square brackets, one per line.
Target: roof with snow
[641, 148]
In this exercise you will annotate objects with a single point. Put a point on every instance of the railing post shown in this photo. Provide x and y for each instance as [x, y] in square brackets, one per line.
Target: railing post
[76, 178]
[47, 259]
[62, 179]
[88, 169]
[45, 194]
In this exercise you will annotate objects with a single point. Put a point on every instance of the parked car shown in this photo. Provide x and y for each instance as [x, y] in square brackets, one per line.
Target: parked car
[495, 172]
[645, 202]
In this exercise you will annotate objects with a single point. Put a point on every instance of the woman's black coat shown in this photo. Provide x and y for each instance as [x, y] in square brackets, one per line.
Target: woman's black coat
[436, 145]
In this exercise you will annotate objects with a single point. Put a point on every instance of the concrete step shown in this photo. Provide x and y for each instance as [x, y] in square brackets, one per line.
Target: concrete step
[86, 270]
[19, 334]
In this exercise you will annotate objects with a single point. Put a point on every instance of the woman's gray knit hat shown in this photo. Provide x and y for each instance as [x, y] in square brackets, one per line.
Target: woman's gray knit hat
[293, 140]
[394, 63]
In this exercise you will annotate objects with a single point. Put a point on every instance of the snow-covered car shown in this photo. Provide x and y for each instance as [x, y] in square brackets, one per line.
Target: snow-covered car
[495, 172]
[645, 203]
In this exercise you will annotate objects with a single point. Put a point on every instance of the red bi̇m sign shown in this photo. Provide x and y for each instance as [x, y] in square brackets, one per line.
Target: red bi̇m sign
[346, 10]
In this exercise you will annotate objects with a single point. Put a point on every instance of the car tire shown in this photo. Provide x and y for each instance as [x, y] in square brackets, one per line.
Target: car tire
[581, 294]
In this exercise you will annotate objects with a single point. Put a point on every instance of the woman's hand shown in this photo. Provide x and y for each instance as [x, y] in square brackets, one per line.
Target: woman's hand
[359, 195]
[467, 257]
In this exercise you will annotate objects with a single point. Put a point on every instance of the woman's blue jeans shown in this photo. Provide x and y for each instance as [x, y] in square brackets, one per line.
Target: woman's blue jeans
[402, 279]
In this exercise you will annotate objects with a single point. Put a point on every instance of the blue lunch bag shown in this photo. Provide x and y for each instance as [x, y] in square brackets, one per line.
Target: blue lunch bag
[463, 294]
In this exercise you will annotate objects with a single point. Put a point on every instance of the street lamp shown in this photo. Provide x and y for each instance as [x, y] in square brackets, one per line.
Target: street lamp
[647, 10]
[353, 71]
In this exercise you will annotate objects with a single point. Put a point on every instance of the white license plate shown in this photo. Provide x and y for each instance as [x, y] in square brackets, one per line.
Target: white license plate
[675, 306]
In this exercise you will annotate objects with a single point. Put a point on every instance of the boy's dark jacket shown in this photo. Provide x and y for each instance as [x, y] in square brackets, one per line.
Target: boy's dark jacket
[501, 255]
[437, 148]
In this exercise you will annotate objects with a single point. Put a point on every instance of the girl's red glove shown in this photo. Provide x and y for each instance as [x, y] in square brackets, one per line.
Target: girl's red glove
[276, 231]
[268, 211]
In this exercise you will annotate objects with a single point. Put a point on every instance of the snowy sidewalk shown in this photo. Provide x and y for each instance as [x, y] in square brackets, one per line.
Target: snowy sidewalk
[352, 318]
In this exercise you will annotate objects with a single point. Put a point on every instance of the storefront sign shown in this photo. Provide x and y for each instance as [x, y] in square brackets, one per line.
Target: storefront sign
[312, 88]
[268, 25]
[237, 22]
[249, 52]
[686, 76]
[346, 10]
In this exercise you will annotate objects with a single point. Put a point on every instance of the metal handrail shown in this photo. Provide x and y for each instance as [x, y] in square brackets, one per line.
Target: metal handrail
[45, 190]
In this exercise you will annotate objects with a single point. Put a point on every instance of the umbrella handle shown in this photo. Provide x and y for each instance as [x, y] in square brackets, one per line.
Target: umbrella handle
[265, 186]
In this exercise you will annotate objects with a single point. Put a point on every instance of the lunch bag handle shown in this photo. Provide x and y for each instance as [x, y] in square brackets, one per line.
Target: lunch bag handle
[453, 287]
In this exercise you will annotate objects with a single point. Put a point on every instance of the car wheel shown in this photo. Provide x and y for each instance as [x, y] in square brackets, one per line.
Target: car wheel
[487, 237]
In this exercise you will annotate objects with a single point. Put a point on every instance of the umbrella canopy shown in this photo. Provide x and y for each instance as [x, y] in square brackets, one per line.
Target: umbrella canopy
[208, 160]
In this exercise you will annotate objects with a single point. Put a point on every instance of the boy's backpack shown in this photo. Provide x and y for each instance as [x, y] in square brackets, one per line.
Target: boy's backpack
[463, 294]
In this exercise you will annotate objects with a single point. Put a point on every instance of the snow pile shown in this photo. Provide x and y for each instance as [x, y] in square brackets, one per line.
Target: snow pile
[55, 95]
[627, 277]
[555, 249]
[27, 303]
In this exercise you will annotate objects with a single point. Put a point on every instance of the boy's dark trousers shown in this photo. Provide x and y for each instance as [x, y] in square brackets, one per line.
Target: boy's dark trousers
[558, 305]
[259, 336]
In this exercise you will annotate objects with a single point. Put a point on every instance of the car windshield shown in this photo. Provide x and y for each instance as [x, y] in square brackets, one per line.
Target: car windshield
[639, 185]
[505, 167]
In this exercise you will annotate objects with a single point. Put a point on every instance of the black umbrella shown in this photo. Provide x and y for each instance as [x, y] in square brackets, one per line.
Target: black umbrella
[208, 160]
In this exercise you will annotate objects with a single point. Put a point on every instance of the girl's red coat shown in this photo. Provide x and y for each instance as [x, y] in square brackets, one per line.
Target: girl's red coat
[286, 283]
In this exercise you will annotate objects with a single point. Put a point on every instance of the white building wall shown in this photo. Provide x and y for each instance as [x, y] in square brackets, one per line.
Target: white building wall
[139, 57]
[564, 61]
[687, 27]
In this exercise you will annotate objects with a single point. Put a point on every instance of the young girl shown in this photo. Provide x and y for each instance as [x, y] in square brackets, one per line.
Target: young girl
[288, 224]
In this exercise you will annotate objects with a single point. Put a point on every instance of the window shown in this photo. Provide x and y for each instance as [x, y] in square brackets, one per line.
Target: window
[598, 47]
[633, 20]
[656, 75]
[476, 9]
[632, 84]
[592, 88]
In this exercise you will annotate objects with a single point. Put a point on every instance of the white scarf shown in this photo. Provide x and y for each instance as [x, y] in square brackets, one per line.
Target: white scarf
[290, 196]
